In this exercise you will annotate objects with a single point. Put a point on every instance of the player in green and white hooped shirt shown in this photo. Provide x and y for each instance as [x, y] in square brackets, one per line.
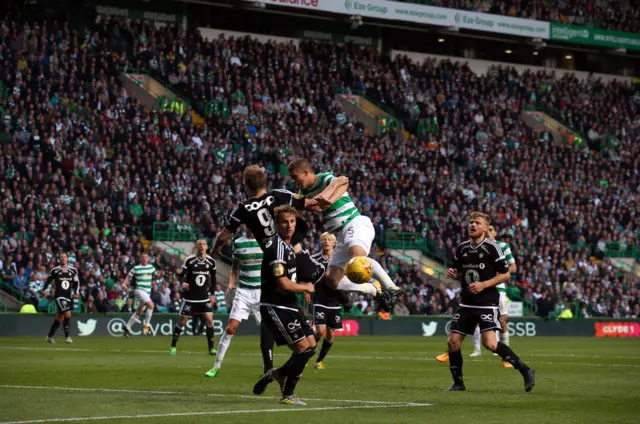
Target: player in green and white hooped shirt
[245, 278]
[354, 232]
[142, 274]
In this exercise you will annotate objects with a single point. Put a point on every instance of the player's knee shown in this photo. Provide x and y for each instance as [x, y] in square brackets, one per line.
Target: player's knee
[330, 336]
[150, 306]
[491, 345]
[453, 345]
[231, 327]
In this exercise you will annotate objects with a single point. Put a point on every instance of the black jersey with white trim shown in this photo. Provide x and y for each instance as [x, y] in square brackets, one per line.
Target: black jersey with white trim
[65, 280]
[476, 264]
[257, 213]
[279, 260]
[200, 274]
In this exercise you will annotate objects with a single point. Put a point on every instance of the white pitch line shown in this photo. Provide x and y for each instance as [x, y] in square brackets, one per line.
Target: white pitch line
[403, 358]
[186, 414]
[225, 395]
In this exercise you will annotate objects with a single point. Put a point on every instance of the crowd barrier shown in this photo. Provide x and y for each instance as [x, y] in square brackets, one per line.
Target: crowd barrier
[425, 326]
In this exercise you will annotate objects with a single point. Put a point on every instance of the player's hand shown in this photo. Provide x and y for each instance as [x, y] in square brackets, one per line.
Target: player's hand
[217, 253]
[309, 288]
[212, 300]
[322, 202]
[312, 205]
[230, 287]
[307, 297]
[452, 273]
[476, 288]
[185, 286]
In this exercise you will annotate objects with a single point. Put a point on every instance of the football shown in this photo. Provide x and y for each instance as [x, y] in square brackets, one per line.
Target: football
[359, 269]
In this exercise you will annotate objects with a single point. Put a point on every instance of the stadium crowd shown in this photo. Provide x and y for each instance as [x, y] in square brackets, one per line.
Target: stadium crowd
[607, 14]
[89, 169]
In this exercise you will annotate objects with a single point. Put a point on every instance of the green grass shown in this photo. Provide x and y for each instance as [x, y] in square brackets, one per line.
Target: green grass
[579, 380]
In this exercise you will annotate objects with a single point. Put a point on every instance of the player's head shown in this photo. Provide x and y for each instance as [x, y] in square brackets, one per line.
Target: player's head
[492, 232]
[254, 179]
[144, 259]
[201, 247]
[327, 242]
[63, 258]
[285, 217]
[301, 172]
[478, 224]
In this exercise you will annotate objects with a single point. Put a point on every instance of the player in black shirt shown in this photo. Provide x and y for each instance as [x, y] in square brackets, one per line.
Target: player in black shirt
[279, 307]
[198, 282]
[66, 284]
[257, 214]
[327, 302]
[480, 266]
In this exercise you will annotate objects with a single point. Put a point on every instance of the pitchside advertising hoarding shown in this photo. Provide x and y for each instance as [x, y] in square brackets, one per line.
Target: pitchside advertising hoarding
[112, 325]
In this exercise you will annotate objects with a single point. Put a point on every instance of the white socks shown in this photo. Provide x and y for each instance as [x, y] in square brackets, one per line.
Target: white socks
[133, 320]
[347, 285]
[504, 337]
[223, 345]
[147, 317]
[476, 340]
[381, 275]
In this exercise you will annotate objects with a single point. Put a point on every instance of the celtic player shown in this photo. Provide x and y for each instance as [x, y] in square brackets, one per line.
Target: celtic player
[354, 232]
[245, 278]
[141, 275]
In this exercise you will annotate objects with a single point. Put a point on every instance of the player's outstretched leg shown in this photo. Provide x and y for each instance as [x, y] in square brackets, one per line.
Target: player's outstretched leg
[477, 349]
[54, 327]
[507, 355]
[177, 330]
[381, 275]
[147, 318]
[454, 344]
[223, 345]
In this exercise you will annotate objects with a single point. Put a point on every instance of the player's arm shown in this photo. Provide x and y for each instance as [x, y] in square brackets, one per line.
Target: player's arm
[127, 280]
[511, 261]
[453, 271]
[184, 274]
[336, 188]
[212, 287]
[285, 284]
[76, 285]
[50, 280]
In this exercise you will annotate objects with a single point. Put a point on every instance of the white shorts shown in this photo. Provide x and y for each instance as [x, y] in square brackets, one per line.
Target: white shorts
[246, 302]
[142, 296]
[359, 232]
[502, 304]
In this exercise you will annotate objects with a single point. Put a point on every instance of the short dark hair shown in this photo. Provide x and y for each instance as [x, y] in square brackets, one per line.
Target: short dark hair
[300, 164]
[284, 210]
[477, 214]
[254, 178]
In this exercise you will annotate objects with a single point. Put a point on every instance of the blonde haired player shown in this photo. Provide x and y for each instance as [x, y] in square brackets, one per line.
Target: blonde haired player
[142, 275]
[354, 232]
[504, 310]
[245, 279]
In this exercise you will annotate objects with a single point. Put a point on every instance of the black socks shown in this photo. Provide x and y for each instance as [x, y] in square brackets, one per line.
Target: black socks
[326, 346]
[455, 366]
[65, 326]
[295, 368]
[266, 347]
[509, 356]
[54, 328]
[176, 335]
[210, 337]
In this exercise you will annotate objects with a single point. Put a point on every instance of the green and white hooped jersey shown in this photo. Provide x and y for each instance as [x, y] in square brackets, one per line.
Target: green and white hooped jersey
[508, 256]
[143, 275]
[342, 212]
[248, 254]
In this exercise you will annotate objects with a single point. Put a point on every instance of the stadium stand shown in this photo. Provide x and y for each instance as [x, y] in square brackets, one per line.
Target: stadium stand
[90, 170]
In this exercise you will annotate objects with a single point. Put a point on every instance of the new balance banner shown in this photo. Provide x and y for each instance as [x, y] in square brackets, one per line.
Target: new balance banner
[595, 36]
[423, 14]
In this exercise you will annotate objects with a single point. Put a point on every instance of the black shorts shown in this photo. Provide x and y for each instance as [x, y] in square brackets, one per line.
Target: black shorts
[466, 319]
[288, 326]
[330, 317]
[189, 309]
[64, 305]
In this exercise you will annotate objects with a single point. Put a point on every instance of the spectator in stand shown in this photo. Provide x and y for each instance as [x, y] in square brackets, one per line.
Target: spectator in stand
[400, 307]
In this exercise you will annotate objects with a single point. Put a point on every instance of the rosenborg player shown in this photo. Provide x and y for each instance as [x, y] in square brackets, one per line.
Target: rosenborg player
[479, 264]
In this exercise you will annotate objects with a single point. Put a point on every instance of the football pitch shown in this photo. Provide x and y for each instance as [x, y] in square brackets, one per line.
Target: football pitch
[367, 380]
